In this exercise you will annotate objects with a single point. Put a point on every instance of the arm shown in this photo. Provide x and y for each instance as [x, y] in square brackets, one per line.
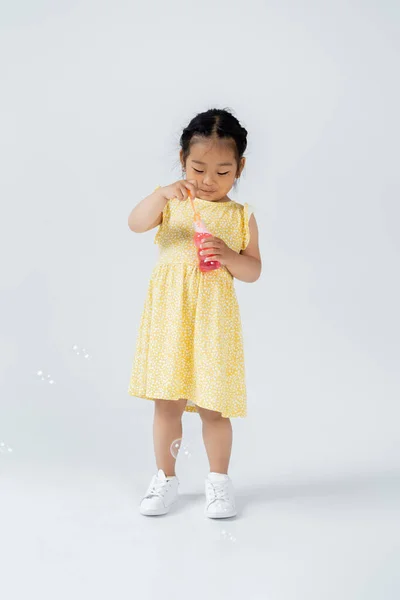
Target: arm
[247, 265]
[148, 212]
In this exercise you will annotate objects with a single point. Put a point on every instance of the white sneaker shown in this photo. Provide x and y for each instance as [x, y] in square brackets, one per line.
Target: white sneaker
[160, 495]
[220, 500]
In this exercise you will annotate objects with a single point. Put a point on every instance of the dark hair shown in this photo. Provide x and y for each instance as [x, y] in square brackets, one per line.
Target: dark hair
[215, 122]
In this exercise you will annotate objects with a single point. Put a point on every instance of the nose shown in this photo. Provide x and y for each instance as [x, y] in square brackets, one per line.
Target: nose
[207, 180]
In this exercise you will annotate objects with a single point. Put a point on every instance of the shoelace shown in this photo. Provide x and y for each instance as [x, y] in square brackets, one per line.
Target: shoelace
[219, 491]
[158, 488]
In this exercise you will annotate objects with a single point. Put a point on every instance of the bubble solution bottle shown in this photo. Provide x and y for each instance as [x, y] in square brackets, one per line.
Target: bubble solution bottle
[201, 234]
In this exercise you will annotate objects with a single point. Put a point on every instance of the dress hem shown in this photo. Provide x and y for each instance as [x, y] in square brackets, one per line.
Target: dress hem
[190, 408]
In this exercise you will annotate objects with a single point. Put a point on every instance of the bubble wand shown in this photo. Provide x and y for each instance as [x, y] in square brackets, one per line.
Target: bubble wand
[197, 218]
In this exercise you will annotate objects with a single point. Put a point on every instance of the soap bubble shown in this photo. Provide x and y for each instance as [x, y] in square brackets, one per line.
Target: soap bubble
[174, 448]
[79, 351]
[178, 445]
[226, 535]
[4, 448]
[48, 378]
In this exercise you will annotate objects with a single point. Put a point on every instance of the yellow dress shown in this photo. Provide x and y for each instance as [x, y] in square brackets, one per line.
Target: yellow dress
[189, 344]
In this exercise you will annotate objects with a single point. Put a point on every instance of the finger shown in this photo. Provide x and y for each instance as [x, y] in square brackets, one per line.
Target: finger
[214, 242]
[208, 250]
[211, 252]
[181, 192]
[217, 257]
[191, 185]
[186, 190]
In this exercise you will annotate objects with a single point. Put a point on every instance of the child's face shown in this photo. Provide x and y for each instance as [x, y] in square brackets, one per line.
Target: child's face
[214, 180]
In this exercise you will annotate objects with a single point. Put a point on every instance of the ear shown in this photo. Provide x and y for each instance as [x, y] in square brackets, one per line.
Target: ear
[241, 166]
[181, 158]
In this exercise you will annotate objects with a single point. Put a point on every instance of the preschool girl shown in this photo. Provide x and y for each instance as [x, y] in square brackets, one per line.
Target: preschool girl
[189, 351]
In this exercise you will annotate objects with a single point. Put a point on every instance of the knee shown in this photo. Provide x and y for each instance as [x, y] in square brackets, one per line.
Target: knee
[210, 416]
[170, 409]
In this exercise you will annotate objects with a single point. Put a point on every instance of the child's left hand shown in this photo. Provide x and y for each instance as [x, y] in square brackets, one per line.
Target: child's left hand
[218, 249]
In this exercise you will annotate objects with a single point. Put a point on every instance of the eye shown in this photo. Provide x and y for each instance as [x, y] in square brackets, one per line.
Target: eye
[203, 172]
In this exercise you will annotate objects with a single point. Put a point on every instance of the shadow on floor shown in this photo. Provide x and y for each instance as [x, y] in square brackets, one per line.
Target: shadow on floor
[369, 483]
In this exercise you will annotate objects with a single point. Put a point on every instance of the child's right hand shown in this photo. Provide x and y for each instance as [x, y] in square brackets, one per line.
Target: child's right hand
[180, 189]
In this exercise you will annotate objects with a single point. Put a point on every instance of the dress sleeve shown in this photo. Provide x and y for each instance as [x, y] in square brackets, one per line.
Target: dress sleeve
[248, 209]
[165, 214]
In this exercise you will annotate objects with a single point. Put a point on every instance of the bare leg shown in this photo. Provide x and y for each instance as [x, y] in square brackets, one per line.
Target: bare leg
[217, 436]
[167, 427]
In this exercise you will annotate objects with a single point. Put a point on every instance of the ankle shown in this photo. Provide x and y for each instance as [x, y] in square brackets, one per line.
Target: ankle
[169, 474]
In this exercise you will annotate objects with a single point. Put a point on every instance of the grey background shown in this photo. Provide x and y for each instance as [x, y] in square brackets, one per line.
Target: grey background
[94, 98]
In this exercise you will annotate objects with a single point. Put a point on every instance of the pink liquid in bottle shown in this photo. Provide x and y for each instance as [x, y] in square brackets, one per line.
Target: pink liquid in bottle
[201, 234]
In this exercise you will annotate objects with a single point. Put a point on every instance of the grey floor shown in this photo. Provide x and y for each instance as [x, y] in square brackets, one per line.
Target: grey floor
[75, 532]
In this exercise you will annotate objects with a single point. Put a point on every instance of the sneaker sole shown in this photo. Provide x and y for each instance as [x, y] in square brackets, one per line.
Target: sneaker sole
[152, 513]
[224, 515]
[157, 511]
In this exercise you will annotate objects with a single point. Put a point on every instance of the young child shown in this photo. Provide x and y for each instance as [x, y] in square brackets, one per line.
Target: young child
[189, 351]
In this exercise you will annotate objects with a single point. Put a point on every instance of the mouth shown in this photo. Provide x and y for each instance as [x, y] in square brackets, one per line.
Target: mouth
[207, 192]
